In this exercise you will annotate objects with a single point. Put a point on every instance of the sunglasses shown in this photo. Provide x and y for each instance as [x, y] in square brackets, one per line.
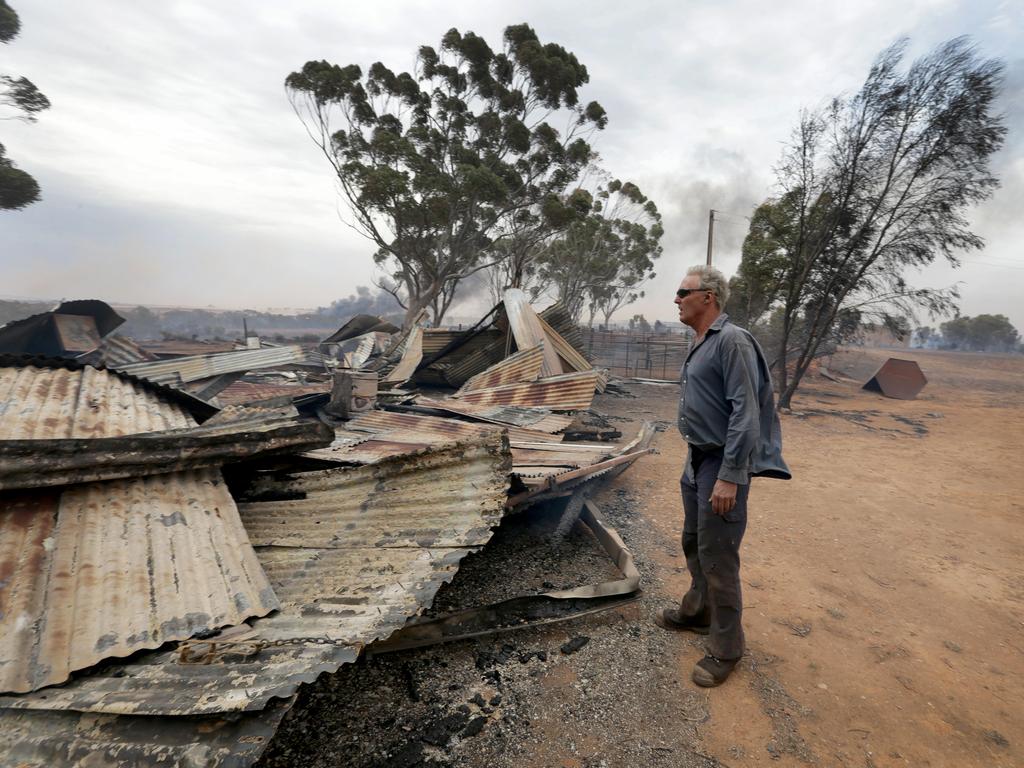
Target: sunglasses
[682, 293]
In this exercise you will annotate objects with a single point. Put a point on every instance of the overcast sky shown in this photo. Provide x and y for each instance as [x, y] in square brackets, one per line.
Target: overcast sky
[175, 173]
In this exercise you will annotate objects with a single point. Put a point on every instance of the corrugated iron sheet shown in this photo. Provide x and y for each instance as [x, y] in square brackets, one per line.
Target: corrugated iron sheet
[412, 354]
[188, 369]
[117, 350]
[41, 739]
[568, 392]
[527, 330]
[558, 317]
[187, 347]
[460, 368]
[572, 359]
[521, 367]
[358, 326]
[531, 418]
[34, 464]
[40, 403]
[389, 421]
[240, 392]
[352, 557]
[436, 339]
[105, 569]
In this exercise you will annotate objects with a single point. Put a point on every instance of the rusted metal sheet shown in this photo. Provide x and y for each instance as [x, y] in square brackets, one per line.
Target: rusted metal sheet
[76, 402]
[168, 348]
[389, 421]
[241, 392]
[558, 318]
[568, 392]
[412, 354]
[44, 463]
[77, 333]
[377, 448]
[188, 369]
[530, 418]
[388, 536]
[116, 350]
[460, 369]
[105, 569]
[527, 330]
[571, 357]
[41, 739]
[530, 610]
[71, 329]
[521, 367]
[899, 379]
[358, 326]
[562, 483]
[362, 353]
[436, 339]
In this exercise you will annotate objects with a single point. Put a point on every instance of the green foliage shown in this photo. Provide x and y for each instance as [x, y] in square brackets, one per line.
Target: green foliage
[871, 186]
[442, 165]
[17, 188]
[22, 94]
[982, 333]
[601, 260]
[10, 24]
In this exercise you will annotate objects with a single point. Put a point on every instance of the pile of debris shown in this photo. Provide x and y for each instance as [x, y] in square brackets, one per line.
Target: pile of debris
[185, 540]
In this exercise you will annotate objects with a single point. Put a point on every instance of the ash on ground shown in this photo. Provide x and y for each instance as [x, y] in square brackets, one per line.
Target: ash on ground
[516, 698]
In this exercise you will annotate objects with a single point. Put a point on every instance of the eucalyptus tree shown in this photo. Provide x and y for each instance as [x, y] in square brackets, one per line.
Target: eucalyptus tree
[871, 187]
[439, 166]
[601, 261]
[20, 99]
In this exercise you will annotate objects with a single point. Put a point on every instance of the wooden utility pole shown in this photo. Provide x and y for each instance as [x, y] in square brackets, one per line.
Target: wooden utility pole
[711, 233]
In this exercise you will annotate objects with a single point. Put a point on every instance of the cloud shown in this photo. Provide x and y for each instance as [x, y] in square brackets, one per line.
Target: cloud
[172, 165]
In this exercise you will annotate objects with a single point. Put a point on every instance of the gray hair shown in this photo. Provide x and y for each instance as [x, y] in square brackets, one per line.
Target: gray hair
[714, 281]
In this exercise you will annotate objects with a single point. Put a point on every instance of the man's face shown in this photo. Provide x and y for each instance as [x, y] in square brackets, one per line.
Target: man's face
[691, 307]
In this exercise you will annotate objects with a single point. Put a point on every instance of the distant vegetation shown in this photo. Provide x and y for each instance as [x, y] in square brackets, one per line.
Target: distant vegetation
[982, 333]
[145, 323]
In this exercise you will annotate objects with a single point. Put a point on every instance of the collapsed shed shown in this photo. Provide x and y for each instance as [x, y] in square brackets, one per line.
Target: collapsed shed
[153, 613]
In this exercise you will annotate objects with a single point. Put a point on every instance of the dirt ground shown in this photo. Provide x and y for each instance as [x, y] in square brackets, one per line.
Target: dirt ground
[884, 597]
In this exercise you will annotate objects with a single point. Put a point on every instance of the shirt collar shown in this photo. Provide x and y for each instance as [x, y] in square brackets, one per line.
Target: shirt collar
[721, 320]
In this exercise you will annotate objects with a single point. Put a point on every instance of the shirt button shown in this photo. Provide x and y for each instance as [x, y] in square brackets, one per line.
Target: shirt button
[687, 437]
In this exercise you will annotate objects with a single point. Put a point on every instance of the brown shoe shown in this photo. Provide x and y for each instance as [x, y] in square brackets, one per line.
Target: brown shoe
[671, 618]
[709, 671]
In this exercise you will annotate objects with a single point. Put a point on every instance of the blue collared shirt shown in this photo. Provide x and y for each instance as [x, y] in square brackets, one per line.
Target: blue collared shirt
[726, 403]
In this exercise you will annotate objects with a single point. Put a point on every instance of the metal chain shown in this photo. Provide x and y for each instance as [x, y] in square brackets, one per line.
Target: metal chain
[216, 650]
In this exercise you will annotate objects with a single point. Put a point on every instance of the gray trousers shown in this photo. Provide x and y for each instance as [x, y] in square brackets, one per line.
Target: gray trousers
[711, 544]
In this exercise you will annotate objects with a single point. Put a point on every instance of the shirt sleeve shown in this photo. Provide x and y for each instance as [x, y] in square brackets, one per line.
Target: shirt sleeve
[739, 374]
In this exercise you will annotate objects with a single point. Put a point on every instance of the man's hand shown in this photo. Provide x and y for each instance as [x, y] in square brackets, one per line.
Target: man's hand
[723, 497]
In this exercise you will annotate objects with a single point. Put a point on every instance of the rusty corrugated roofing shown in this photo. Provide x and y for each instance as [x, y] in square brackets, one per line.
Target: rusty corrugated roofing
[239, 392]
[568, 392]
[389, 421]
[116, 350]
[166, 348]
[188, 369]
[521, 367]
[41, 739]
[531, 418]
[105, 569]
[388, 536]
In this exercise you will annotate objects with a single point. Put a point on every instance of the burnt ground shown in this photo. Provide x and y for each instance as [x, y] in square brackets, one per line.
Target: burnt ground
[884, 597]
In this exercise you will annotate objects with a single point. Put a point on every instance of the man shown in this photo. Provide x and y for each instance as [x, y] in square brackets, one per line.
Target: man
[727, 417]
